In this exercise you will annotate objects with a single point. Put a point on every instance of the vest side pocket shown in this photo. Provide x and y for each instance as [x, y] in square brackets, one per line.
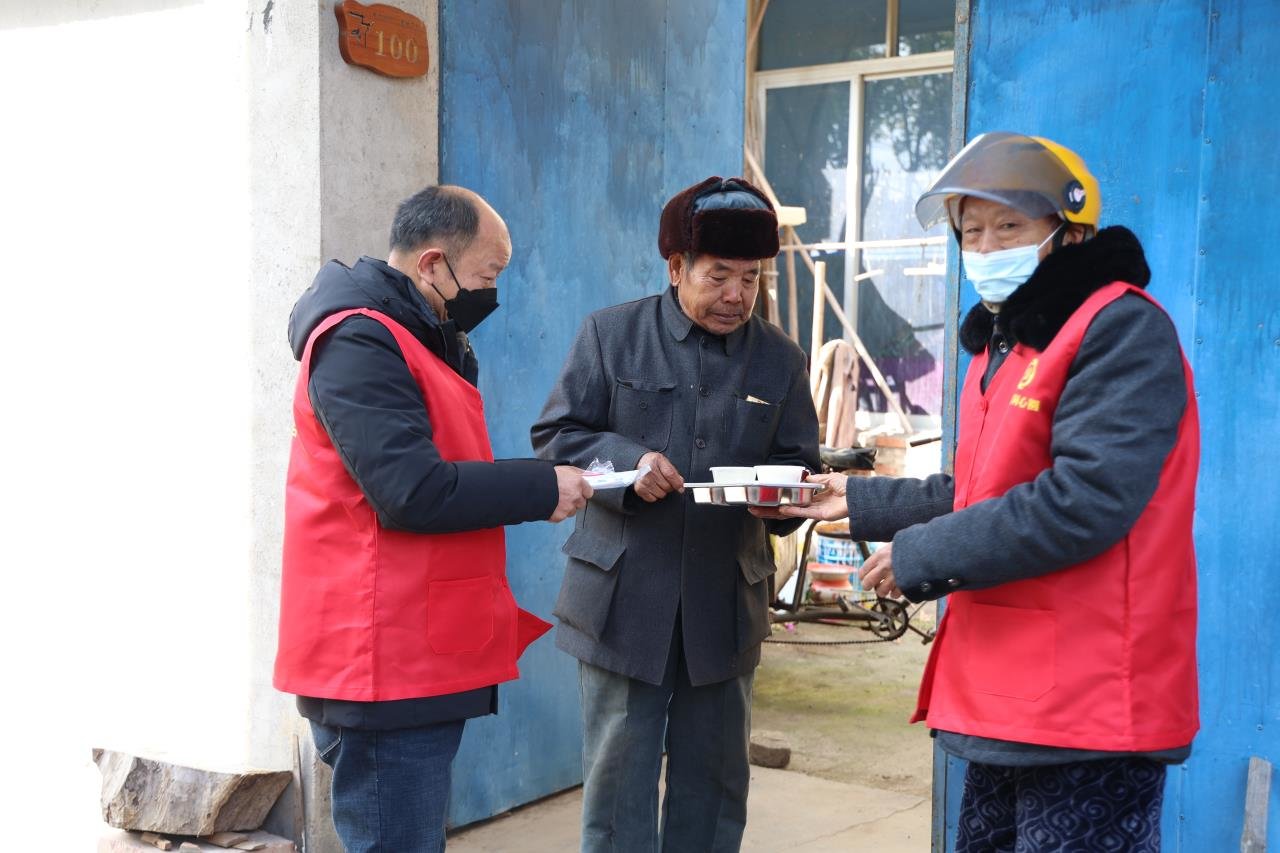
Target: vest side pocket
[460, 615]
[1009, 651]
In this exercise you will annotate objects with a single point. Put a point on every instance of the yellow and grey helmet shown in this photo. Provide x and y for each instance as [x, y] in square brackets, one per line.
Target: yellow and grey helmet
[1028, 173]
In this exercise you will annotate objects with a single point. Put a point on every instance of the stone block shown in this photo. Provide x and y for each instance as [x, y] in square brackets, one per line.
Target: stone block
[155, 796]
[769, 749]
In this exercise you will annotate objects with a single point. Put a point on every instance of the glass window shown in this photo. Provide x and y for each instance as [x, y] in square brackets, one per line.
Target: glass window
[807, 161]
[906, 126]
[925, 26]
[815, 32]
[903, 125]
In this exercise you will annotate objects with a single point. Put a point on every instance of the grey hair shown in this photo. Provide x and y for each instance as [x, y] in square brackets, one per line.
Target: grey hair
[444, 214]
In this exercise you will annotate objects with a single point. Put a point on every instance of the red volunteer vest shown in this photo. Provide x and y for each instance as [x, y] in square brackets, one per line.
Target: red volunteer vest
[1100, 655]
[370, 614]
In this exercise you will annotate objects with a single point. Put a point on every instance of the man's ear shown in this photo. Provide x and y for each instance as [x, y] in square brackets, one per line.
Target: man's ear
[675, 268]
[428, 261]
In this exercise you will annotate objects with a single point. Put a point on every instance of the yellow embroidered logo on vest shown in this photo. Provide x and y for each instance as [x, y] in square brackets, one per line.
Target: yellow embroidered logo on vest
[1027, 403]
[1029, 374]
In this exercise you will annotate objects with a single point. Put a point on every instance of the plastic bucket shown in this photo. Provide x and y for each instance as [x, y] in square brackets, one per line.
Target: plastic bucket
[841, 552]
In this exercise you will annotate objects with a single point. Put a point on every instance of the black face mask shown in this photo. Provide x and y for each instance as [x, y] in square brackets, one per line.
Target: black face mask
[468, 308]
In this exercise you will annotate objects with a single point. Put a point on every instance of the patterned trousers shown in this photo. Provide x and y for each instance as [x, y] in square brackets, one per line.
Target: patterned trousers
[1088, 806]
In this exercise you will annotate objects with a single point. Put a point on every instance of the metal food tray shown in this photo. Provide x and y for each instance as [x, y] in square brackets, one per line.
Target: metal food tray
[754, 494]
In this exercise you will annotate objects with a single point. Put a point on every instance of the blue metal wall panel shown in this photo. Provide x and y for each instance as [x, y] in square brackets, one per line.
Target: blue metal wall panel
[1165, 101]
[576, 120]
[1235, 342]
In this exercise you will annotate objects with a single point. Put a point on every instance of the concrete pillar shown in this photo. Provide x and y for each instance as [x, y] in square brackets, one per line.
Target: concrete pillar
[333, 149]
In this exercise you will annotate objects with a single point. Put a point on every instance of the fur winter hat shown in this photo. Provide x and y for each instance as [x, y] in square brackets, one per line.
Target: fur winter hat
[724, 217]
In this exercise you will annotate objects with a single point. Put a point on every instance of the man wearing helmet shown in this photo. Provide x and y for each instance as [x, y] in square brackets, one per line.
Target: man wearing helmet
[1064, 668]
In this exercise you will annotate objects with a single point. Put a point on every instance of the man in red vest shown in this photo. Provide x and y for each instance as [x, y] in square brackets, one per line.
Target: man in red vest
[396, 620]
[1064, 669]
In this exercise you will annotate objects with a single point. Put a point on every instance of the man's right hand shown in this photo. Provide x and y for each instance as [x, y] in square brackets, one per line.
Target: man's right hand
[575, 491]
[660, 480]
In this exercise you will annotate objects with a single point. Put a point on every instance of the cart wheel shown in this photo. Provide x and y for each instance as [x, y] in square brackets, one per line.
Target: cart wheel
[895, 612]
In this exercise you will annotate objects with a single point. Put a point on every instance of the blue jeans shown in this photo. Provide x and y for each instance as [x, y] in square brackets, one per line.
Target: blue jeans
[1082, 807]
[707, 731]
[390, 788]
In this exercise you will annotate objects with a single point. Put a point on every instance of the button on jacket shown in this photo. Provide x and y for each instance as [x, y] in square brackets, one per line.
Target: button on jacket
[641, 377]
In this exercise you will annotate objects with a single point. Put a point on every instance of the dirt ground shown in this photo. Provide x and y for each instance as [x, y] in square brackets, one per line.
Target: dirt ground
[844, 709]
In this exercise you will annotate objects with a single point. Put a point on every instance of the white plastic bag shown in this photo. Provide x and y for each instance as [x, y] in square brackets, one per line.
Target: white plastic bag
[600, 475]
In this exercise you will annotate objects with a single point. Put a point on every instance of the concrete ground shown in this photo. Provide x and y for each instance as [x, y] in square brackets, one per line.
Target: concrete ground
[859, 777]
[789, 811]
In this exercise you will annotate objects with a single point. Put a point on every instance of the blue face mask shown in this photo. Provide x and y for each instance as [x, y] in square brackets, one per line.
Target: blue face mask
[996, 275]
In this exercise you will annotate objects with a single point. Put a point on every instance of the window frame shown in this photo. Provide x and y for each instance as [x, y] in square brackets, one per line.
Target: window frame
[856, 73]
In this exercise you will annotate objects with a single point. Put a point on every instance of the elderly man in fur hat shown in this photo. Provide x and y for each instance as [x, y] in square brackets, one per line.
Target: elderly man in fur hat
[665, 602]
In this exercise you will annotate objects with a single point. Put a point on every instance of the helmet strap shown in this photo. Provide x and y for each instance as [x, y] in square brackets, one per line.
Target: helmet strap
[1060, 235]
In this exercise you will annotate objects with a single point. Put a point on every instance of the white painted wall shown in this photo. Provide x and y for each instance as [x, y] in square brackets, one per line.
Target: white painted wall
[175, 172]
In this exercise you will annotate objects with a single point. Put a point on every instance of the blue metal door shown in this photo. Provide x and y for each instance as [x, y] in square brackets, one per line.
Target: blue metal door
[577, 120]
[1171, 105]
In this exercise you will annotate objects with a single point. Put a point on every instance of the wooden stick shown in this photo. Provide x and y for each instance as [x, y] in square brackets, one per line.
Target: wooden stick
[772, 306]
[793, 300]
[754, 37]
[761, 179]
[820, 382]
[837, 402]
[751, 125]
[819, 315]
[891, 29]
[1256, 794]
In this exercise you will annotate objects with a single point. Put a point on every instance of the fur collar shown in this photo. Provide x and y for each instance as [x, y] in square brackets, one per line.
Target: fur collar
[1063, 281]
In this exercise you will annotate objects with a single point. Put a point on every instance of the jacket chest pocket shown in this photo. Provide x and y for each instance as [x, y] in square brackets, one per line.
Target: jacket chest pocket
[642, 411]
[749, 428]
